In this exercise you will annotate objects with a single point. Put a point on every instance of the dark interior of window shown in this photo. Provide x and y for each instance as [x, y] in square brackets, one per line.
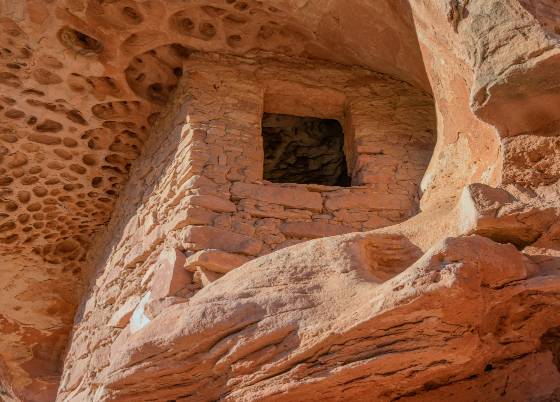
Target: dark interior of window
[304, 150]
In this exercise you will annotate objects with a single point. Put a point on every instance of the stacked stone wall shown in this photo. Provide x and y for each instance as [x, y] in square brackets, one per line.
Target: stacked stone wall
[196, 201]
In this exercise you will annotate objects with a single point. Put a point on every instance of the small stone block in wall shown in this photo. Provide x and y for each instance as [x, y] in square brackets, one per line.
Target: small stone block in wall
[211, 202]
[204, 277]
[268, 210]
[205, 237]
[189, 216]
[215, 260]
[291, 197]
[313, 230]
[365, 200]
[170, 276]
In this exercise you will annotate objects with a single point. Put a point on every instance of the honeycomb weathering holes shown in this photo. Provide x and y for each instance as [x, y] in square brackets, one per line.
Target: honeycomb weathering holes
[79, 41]
[153, 75]
[131, 15]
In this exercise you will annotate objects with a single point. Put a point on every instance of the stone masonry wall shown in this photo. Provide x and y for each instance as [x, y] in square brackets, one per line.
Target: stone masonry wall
[196, 198]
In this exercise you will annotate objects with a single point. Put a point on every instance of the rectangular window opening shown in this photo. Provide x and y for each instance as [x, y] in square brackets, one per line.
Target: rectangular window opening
[304, 150]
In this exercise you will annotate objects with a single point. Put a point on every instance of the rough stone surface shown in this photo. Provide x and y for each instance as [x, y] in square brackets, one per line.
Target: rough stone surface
[144, 255]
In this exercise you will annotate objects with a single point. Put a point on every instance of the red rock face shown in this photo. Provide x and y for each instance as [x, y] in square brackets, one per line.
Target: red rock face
[144, 257]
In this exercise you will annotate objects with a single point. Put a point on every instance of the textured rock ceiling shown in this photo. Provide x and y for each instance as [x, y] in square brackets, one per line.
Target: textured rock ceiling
[81, 83]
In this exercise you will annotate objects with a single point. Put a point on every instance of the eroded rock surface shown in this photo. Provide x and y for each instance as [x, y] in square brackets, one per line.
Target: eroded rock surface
[144, 255]
[331, 319]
